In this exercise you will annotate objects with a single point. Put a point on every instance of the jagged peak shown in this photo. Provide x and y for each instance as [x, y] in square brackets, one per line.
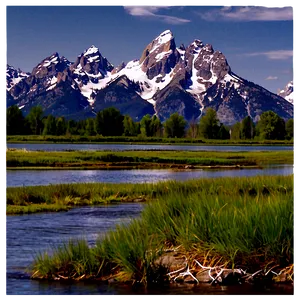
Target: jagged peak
[163, 38]
[167, 31]
[91, 50]
[16, 71]
[10, 68]
[208, 47]
[55, 54]
[182, 47]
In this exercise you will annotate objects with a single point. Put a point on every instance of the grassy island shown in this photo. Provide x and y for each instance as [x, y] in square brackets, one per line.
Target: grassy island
[24, 159]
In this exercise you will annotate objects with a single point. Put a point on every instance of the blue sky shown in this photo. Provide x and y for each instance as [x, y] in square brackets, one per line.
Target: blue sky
[257, 41]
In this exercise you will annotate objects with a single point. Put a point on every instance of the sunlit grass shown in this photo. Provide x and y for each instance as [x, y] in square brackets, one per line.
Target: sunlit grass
[240, 222]
[19, 199]
[158, 159]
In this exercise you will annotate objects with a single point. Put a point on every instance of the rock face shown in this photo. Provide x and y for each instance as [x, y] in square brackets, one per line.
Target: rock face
[288, 92]
[166, 79]
[160, 56]
[121, 94]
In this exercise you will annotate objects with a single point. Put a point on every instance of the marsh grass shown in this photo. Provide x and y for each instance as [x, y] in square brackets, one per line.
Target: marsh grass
[217, 221]
[104, 159]
[63, 196]
[144, 140]
[34, 208]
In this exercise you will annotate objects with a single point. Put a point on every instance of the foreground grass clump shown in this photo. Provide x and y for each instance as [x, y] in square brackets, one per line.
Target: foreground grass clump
[248, 230]
[155, 159]
[65, 196]
[140, 139]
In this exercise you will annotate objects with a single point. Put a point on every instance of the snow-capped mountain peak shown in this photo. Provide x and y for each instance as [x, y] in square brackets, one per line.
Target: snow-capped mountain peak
[288, 92]
[163, 38]
[91, 71]
[14, 76]
[92, 50]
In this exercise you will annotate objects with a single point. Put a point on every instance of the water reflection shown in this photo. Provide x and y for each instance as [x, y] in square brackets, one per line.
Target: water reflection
[44, 177]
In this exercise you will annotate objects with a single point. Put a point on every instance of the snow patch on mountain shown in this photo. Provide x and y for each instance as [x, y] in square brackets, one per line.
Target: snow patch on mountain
[161, 55]
[90, 87]
[53, 60]
[148, 88]
[163, 38]
[52, 83]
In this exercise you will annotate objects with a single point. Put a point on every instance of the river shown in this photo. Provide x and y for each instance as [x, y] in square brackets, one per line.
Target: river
[125, 147]
[43, 177]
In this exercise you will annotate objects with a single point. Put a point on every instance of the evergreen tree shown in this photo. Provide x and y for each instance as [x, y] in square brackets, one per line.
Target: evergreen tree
[109, 122]
[90, 127]
[193, 130]
[61, 126]
[271, 126]
[175, 126]
[130, 127]
[223, 133]
[81, 125]
[34, 119]
[289, 128]
[50, 126]
[14, 120]
[209, 124]
[155, 126]
[145, 125]
[247, 128]
[72, 127]
[236, 131]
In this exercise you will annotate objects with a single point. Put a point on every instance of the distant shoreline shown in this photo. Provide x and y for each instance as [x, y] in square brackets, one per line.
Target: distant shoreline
[138, 140]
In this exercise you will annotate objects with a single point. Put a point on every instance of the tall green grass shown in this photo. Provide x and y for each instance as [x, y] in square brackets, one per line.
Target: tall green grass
[19, 199]
[241, 222]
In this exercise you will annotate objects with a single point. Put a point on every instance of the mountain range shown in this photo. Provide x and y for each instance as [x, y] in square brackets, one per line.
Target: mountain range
[165, 79]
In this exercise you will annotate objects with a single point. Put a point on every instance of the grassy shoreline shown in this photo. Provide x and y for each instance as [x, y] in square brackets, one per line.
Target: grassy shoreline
[138, 140]
[31, 199]
[142, 159]
[239, 223]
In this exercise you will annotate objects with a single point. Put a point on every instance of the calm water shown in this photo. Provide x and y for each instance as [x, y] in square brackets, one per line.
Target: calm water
[123, 147]
[44, 177]
[27, 235]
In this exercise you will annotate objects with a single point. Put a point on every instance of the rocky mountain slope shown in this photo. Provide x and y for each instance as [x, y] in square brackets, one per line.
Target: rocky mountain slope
[164, 80]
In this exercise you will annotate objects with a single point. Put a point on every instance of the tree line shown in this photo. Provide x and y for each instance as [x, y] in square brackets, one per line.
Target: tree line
[110, 122]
